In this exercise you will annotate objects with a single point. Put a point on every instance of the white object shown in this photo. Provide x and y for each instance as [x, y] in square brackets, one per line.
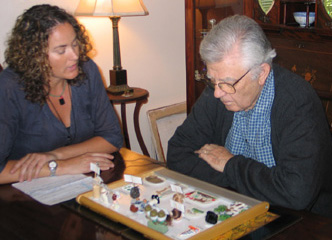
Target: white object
[95, 168]
[57, 189]
[301, 18]
[176, 188]
[132, 179]
[109, 8]
[163, 123]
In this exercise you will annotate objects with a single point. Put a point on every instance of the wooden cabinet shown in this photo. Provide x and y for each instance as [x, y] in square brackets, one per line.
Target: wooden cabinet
[200, 15]
[306, 51]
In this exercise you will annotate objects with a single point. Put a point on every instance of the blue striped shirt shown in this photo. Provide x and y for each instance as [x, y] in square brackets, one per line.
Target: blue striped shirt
[250, 134]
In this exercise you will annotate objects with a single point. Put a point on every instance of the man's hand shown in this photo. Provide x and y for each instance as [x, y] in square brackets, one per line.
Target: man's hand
[216, 156]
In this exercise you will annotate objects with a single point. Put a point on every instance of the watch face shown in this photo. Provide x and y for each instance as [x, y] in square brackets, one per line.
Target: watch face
[52, 164]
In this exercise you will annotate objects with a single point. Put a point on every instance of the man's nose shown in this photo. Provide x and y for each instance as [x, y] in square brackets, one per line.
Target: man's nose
[218, 92]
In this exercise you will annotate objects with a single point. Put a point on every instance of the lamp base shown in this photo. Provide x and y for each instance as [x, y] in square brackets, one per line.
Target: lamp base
[118, 77]
[118, 86]
[120, 89]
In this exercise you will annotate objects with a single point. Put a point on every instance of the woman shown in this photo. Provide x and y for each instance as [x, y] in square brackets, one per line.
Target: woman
[56, 117]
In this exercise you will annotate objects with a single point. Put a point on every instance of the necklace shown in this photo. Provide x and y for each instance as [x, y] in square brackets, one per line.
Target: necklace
[61, 99]
[58, 115]
[70, 138]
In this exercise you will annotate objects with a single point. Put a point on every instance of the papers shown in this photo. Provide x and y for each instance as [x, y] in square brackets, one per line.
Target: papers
[53, 190]
[133, 179]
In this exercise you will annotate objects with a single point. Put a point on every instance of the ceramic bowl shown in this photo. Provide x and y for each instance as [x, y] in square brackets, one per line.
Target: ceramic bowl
[300, 18]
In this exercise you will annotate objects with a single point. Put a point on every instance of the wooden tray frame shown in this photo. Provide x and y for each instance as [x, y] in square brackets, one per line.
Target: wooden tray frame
[257, 207]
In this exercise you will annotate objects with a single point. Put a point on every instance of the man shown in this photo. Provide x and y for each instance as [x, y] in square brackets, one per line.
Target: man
[260, 130]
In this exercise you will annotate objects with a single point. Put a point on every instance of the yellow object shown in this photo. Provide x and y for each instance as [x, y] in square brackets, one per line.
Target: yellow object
[96, 191]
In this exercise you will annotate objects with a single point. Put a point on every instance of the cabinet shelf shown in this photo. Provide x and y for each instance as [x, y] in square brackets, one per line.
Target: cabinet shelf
[310, 34]
[299, 1]
[307, 51]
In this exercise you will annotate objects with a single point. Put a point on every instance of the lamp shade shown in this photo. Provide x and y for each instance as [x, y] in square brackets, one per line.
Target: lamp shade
[111, 8]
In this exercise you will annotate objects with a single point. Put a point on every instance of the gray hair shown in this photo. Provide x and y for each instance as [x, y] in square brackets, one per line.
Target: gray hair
[237, 30]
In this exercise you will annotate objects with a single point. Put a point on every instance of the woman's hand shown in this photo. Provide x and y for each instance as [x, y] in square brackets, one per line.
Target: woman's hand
[216, 156]
[81, 163]
[31, 164]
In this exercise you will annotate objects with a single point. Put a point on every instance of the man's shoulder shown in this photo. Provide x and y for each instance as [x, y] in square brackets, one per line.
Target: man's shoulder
[286, 77]
[291, 85]
[208, 102]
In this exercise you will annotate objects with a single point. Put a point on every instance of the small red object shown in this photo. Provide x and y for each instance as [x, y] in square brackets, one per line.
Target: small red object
[133, 208]
[114, 197]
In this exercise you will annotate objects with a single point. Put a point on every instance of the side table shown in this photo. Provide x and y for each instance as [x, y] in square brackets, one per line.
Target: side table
[139, 96]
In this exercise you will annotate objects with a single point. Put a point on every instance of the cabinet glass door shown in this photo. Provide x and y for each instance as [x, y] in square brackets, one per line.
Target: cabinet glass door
[324, 16]
[328, 7]
[207, 13]
[266, 5]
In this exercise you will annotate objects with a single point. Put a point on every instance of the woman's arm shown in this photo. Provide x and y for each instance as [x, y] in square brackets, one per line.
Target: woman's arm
[98, 133]
[95, 144]
[33, 165]
[75, 165]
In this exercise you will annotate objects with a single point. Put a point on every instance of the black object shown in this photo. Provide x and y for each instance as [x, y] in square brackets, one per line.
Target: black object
[211, 217]
[134, 192]
[156, 197]
[62, 101]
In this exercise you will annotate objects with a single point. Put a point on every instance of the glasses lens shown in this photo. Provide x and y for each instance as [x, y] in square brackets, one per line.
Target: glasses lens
[208, 81]
[226, 87]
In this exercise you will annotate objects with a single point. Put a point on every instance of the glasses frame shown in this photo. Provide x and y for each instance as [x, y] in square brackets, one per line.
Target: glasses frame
[208, 81]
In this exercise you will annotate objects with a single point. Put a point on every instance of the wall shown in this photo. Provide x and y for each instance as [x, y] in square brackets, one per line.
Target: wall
[152, 52]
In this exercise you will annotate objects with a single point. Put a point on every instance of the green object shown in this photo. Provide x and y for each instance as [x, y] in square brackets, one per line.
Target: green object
[158, 227]
[220, 209]
[153, 213]
[224, 217]
[148, 208]
[328, 7]
[266, 5]
[161, 213]
[195, 210]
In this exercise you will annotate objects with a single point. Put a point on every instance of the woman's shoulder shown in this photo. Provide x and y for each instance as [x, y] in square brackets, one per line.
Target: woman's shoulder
[9, 79]
[93, 78]
[90, 66]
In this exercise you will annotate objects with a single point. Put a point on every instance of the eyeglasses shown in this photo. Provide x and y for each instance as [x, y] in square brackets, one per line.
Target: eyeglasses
[225, 86]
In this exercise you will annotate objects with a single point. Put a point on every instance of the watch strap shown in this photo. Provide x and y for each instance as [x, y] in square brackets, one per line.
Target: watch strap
[52, 165]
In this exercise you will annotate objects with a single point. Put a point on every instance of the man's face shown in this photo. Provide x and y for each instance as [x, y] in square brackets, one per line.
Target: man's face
[247, 89]
[63, 52]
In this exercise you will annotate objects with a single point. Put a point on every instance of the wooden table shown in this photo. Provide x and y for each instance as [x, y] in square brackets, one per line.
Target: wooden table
[23, 218]
[139, 97]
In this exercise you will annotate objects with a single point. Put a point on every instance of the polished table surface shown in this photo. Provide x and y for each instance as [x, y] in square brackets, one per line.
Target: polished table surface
[21, 217]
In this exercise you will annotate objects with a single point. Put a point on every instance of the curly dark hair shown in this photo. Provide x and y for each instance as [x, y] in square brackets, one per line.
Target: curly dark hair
[27, 51]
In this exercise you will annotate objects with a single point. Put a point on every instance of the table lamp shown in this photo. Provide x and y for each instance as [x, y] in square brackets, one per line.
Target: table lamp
[114, 9]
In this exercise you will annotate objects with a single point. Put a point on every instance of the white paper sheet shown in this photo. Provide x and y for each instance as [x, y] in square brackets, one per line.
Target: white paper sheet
[57, 189]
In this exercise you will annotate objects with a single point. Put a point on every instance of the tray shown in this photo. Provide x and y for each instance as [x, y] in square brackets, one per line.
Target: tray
[138, 221]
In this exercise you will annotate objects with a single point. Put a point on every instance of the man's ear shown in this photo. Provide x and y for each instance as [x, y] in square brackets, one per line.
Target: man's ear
[265, 70]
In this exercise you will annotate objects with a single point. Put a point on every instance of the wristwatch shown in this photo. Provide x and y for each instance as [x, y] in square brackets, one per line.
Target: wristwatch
[52, 165]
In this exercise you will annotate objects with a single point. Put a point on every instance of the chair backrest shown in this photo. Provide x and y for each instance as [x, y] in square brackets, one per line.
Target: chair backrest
[163, 123]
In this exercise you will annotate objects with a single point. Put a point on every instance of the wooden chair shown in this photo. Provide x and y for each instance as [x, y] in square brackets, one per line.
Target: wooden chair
[163, 123]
